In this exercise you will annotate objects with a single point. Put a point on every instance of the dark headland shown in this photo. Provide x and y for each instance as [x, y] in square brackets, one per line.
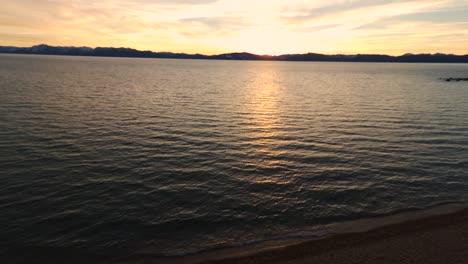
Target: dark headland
[133, 53]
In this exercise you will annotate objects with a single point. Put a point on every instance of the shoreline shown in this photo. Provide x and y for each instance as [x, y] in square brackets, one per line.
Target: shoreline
[435, 235]
[355, 235]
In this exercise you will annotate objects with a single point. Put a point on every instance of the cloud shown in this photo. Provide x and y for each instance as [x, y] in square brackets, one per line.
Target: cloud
[356, 9]
[209, 27]
[304, 14]
[215, 23]
[442, 29]
[260, 26]
[432, 17]
[318, 28]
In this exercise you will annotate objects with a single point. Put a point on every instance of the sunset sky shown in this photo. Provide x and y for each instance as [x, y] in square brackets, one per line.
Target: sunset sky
[258, 26]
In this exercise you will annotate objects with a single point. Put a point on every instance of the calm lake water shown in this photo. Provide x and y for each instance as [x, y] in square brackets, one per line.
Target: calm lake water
[176, 156]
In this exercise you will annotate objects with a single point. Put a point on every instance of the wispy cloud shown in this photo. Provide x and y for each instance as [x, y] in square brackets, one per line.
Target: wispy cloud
[453, 17]
[214, 22]
[306, 13]
[210, 26]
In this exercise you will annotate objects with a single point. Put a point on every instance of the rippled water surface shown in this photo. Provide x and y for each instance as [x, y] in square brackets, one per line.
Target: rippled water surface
[175, 156]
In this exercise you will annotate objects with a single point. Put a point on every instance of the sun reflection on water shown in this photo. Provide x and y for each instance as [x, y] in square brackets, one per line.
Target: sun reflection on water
[266, 128]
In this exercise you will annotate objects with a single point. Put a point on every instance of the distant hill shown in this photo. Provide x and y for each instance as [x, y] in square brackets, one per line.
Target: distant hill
[133, 53]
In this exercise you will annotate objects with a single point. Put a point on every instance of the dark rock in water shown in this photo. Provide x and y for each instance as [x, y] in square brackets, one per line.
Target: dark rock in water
[455, 79]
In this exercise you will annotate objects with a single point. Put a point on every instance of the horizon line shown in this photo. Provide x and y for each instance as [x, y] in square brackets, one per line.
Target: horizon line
[232, 52]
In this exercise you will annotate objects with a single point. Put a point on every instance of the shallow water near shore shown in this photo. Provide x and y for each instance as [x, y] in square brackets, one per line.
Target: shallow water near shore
[318, 234]
[181, 156]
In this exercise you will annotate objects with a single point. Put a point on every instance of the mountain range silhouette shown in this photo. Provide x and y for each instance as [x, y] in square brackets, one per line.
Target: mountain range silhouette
[133, 53]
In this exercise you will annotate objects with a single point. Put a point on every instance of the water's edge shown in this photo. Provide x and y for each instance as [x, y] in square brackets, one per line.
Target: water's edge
[317, 233]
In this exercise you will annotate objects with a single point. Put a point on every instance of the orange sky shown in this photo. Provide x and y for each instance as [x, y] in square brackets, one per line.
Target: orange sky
[258, 26]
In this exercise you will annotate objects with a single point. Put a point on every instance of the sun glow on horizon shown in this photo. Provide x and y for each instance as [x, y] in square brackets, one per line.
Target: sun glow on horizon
[218, 26]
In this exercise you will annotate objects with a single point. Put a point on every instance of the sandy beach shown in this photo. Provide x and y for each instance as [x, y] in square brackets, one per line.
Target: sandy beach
[438, 239]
